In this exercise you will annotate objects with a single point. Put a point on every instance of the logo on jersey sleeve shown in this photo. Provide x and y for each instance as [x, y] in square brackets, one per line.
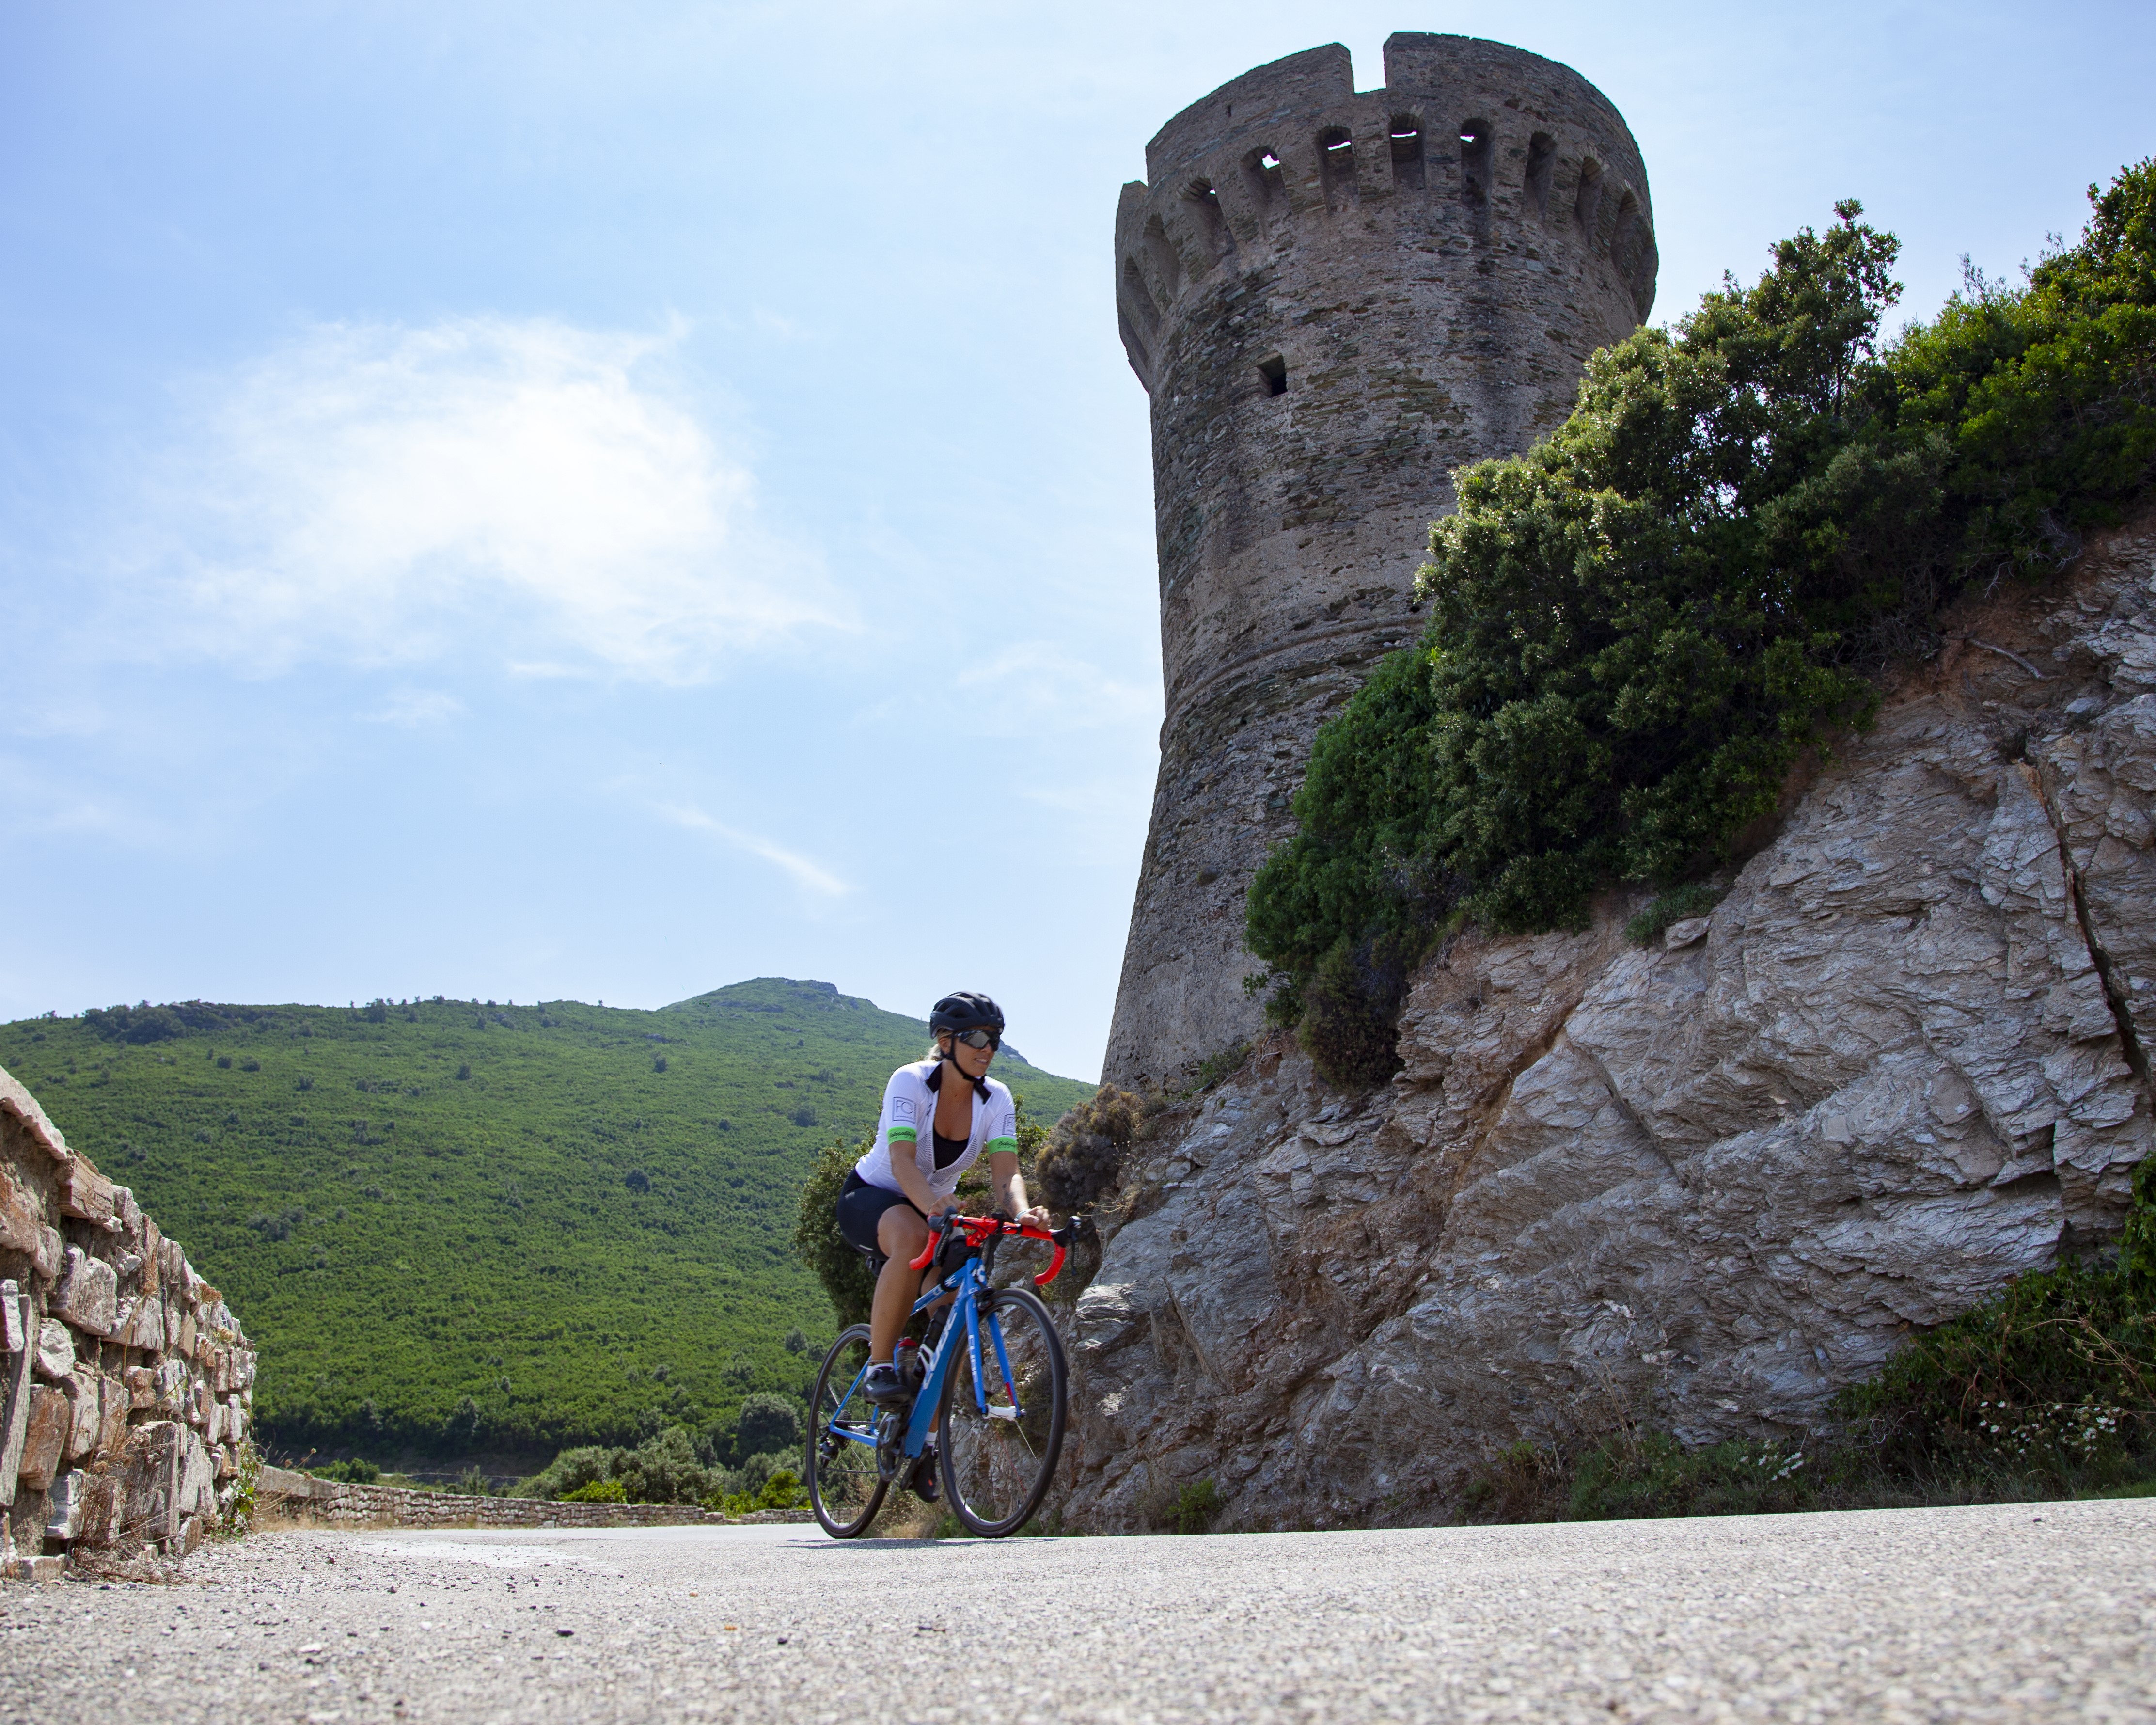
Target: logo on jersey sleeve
[901, 1111]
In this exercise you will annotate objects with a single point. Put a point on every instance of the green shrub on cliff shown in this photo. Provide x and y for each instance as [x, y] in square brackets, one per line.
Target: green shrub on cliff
[1637, 627]
[1084, 1154]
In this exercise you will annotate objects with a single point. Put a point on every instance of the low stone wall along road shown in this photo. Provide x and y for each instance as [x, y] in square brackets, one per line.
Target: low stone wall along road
[2035, 1612]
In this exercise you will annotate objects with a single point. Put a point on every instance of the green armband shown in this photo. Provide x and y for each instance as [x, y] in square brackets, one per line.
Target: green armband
[906, 1132]
[994, 1145]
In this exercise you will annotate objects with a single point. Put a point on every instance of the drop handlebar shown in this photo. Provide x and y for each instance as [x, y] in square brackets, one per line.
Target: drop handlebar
[978, 1228]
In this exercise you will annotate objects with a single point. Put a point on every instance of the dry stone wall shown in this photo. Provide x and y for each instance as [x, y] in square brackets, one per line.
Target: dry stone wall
[129, 1386]
[1702, 1184]
[339, 1503]
[1333, 298]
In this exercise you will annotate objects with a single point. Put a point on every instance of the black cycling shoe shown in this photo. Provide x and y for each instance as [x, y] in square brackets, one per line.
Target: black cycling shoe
[921, 1481]
[884, 1386]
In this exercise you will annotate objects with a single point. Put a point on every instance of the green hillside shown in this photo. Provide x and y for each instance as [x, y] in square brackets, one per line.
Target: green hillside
[460, 1227]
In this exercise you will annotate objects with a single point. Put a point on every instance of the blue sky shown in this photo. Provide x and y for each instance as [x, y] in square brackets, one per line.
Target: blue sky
[541, 501]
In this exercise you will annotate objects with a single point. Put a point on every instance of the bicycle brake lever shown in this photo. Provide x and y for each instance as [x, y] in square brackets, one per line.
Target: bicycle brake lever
[936, 1232]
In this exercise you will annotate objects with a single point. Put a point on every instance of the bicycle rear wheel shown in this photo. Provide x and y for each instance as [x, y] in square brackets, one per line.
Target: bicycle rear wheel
[844, 1486]
[997, 1464]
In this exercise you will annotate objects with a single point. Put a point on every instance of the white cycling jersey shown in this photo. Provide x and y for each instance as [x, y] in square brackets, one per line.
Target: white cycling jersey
[907, 1127]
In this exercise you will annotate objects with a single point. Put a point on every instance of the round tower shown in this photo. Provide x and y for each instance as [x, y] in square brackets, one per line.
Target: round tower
[1333, 300]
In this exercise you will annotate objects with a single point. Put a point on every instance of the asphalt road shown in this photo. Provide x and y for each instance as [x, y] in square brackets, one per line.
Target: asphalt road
[2029, 1613]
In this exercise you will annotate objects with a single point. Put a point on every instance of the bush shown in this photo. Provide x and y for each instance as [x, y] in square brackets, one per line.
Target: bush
[357, 1472]
[1084, 1154]
[664, 1469]
[138, 1024]
[1695, 900]
[767, 1424]
[816, 1238]
[1196, 1507]
[776, 1488]
[569, 1472]
[1652, 1474]
[1638, 628]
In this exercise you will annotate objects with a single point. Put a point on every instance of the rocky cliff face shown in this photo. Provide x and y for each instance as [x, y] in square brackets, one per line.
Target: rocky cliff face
[1705, 1183]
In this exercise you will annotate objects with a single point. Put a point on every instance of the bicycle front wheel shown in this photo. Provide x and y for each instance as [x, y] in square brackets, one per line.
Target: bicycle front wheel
[844, 1486]
[998, 1447]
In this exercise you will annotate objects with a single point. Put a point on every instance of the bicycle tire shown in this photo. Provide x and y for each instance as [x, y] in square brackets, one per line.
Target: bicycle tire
[997, 1470]
[845, 1500]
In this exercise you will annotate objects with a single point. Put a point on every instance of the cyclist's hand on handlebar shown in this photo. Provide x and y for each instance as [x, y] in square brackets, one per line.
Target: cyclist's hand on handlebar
[1034, 1218]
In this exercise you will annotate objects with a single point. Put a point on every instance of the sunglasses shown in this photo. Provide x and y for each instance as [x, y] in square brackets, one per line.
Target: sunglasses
[981, 1039]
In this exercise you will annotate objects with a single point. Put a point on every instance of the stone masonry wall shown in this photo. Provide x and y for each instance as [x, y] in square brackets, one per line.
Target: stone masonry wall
[340, 1504]
[1334, 299]
[128, 1386]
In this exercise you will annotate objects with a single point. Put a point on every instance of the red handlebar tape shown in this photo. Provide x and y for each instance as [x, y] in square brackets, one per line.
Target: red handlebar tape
[978, 1229]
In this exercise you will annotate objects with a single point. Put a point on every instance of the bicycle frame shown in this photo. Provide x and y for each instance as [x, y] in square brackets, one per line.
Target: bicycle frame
[967, 1284]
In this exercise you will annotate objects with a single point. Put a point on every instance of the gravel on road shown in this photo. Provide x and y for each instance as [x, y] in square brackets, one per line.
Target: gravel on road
[2023, 1613]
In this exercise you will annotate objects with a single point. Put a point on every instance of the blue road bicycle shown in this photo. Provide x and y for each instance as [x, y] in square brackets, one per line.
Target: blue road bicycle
[987, 1413]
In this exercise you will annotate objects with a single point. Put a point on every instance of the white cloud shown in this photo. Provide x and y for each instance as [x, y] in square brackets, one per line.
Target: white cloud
[414, 707]
[806, 873]
[376, 494]
[1042, 682]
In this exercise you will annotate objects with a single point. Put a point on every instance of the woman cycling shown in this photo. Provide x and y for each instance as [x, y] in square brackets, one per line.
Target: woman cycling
[933, 1128]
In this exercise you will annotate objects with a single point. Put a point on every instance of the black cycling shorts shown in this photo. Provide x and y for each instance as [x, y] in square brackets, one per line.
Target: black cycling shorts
[861, 1207]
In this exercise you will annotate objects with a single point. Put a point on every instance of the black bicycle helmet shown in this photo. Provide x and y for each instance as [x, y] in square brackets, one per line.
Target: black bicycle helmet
[958, 1013]
[965, 1011]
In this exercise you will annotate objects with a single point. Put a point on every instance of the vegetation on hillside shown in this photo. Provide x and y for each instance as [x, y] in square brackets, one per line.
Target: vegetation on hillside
[456, 1226]
[1637, 628]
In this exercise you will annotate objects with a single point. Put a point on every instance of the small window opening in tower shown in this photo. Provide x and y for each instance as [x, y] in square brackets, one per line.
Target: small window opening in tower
[1266, 178]
[1587, 206]
[1336, 153]
[1475, 155]
[1404, 135]
[1212, 220]
[1542, 166]
[1273, 373]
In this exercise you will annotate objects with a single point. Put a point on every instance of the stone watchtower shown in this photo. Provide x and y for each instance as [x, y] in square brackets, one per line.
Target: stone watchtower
[1334, 299]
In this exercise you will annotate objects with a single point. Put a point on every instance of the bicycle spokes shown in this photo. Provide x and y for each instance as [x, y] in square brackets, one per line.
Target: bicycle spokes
[845, 1484]
[1002, 1416]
